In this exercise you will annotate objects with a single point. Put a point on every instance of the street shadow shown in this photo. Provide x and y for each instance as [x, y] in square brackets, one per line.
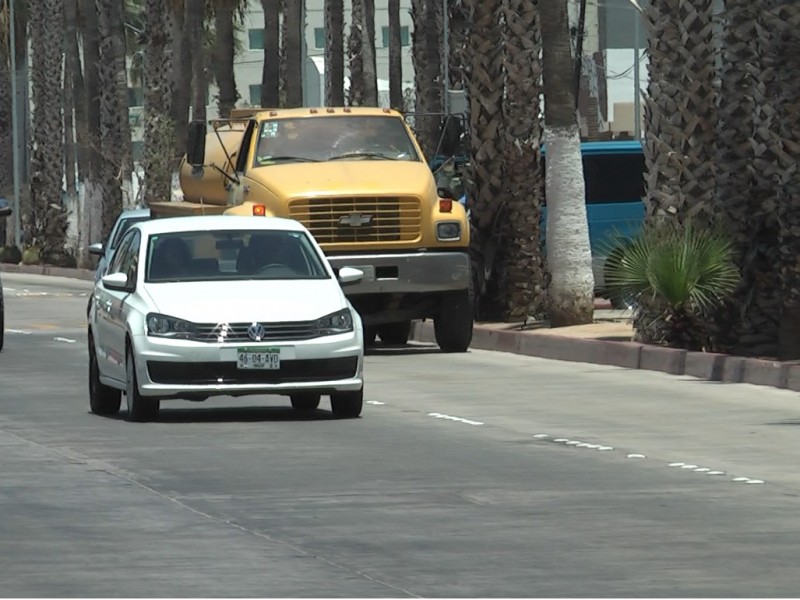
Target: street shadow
[795, 422]
[402, 349]
[188, 414]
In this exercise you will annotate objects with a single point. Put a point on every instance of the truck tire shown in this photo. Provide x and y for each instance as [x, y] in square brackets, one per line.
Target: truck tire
[395, 333]
[453, 326]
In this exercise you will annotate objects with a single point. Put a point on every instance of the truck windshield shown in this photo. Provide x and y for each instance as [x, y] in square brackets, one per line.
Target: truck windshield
[323, 138]
[232, 255]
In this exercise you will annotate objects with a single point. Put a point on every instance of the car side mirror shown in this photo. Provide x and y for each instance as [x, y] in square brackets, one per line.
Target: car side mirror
[350, 276]
[196, 144]
[97, 249]
[5, 208]
[116, 281]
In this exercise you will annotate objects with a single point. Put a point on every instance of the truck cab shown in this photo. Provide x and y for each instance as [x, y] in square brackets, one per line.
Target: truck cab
[357, 179]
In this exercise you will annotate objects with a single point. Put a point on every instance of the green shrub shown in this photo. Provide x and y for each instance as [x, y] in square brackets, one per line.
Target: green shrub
[10, 255]
[675, 277]
[30, 256]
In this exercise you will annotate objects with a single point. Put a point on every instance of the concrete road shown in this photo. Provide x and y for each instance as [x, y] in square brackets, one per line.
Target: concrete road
[479, 474]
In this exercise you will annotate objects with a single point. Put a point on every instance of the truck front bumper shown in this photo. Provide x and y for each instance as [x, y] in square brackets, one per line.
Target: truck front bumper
[418, 272]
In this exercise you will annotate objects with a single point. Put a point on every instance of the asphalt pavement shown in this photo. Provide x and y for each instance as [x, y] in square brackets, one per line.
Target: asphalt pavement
[473, 475]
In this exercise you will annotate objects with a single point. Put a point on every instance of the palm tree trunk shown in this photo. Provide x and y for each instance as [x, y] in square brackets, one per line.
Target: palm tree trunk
[224, 57]
[293, 44]
[195, 16]
[70, 164]
[486, 189]
[523, 280]
[426, 55]
[181, 41]
[158, 128]
[6, 143]
[270, 76]
[395, 57]
[48, 218]
[569, 258]
[334, 52]
[355, 51]
[459, 31]
[87, 120]
[680, 110]
[368, 48]
[786, 32]
[745, 197]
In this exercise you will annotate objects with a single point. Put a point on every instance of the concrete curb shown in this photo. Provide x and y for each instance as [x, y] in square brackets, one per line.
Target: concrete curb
[84, 274]
[630, 355]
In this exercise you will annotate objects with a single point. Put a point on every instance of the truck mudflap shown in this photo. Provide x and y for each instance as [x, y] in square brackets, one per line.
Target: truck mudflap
[407, 273]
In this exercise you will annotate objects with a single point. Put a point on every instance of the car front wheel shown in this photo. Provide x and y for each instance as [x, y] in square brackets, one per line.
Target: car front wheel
[103, 400]
[347, 405]
[139, 407]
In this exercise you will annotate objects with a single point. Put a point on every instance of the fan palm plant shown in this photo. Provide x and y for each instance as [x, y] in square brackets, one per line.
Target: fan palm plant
[676, 277]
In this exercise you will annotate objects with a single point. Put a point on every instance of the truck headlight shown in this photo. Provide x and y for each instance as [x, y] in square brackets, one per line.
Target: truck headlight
[170, 327]
[335, 323]
[448, 231]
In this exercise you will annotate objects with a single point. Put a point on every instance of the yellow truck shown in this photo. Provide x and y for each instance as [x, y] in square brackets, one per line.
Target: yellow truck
[357, 179]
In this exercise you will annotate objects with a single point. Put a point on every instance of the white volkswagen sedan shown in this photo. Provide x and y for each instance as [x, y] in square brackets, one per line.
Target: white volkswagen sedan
[193, 307]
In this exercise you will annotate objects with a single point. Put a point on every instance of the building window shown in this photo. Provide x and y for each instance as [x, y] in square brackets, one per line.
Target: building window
[255, 95]
[135, 97]
[256, 38]
[319, 37]
[404, 37]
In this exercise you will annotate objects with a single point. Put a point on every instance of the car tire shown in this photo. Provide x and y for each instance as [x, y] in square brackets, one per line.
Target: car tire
[103, 400]
[395, 333]
[140, 409]
[347, 405]
[305, 402]
[453, 326]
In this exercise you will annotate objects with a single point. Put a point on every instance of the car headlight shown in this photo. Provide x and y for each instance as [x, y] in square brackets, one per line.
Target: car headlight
[448, 231]
[338, 322]
[165, 326]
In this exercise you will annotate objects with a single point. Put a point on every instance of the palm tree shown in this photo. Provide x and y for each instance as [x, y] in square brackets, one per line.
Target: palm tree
[368, 49]
[194, 22]
[293, 52]
[334, 52]
[486, 189]
[426, 54]
[158, 124]
[355, 42]
[569, 259]
[224, 55]
[6, 147]
[48, 219]
[459, 30]
[523, 280]
[680, 109]
[395, 57]
[745, 196]
[271, 75]
[115, 140]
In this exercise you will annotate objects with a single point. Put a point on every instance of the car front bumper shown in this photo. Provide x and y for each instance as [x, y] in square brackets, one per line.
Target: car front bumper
[184, 369]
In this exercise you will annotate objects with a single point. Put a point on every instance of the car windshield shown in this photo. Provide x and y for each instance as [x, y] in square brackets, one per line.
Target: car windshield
[319, 139]
[232, 255]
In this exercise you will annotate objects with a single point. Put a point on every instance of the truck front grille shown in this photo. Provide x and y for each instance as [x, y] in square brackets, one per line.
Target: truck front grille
[366, 219]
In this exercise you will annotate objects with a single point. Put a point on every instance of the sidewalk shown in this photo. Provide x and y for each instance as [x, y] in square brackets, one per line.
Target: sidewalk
[605, 342]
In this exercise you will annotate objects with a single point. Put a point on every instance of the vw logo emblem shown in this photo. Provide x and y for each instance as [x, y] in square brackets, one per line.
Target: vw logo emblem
[256, 331]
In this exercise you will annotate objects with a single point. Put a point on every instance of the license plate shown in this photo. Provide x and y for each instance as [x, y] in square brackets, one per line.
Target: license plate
[258, 358]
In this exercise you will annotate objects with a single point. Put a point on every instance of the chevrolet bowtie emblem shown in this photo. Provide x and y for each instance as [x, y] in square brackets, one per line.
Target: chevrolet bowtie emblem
[355, 220]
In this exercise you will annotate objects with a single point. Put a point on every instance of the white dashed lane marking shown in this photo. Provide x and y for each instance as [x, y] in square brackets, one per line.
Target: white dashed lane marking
[456, 419]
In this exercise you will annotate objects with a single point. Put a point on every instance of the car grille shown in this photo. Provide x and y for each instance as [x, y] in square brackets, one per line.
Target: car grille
[366, 219]
[230, 333]
[216, 373]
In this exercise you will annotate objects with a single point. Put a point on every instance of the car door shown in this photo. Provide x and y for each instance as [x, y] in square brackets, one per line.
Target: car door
[109, 304]
[117, 315]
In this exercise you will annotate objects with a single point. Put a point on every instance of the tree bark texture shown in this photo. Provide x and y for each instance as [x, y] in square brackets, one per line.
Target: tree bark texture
[334, 52]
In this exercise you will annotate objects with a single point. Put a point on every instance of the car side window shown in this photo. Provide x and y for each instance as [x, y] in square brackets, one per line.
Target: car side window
[129, 264]
[119, 254]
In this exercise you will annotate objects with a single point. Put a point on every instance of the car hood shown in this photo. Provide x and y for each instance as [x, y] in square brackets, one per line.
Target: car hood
[247, 301]
[347, 178]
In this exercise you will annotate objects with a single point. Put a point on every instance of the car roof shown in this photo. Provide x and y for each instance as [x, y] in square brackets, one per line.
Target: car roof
[217, 223]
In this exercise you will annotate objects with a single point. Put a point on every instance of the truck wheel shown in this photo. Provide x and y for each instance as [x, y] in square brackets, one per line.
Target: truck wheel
[395, 333]
[305, 401]
[453, 326]
[347, 405]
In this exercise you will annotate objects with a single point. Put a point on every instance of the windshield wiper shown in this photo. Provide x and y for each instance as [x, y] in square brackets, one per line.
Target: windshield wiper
[362, 155]
[268, 159]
